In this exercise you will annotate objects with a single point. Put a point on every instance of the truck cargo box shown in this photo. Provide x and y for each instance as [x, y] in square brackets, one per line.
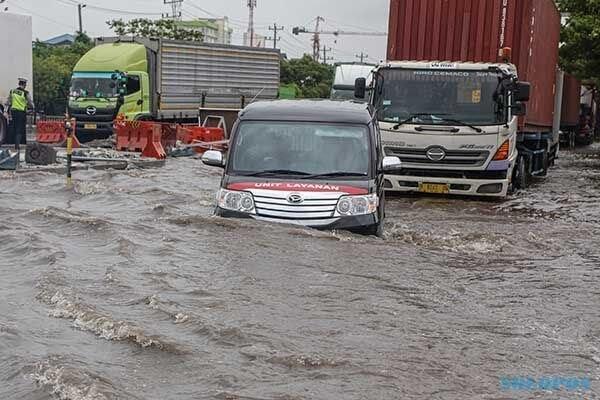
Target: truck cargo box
[475, 30]
[571, 102]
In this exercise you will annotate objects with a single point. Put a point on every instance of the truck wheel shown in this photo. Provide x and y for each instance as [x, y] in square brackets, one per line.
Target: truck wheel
[571, 140]
[545, 164]
[520, 180]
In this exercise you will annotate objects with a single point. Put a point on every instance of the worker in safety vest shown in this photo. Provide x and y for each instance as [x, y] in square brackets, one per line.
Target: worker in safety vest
[19, 100]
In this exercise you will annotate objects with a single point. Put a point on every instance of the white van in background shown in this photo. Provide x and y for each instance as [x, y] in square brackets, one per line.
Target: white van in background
[345, 77]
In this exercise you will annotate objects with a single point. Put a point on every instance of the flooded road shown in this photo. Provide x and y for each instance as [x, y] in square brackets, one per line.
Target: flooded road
[125, 287]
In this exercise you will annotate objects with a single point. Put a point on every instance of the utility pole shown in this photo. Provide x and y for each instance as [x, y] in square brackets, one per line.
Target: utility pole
[362, 57]
[175, 9]
[251, 7]
[317, 39]
[79, 8]
[325, 51]
[275, 29]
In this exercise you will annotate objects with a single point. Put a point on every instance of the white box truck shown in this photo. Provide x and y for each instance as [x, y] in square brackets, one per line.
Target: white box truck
[16, 47]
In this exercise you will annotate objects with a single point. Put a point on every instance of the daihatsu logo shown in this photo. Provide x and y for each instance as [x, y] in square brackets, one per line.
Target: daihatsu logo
[295, 198]
[436, 154]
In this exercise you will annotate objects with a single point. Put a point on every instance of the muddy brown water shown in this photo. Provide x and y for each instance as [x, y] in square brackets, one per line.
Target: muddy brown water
[125, 287]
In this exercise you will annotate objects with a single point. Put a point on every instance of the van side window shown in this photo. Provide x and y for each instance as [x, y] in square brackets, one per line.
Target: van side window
[133, 84]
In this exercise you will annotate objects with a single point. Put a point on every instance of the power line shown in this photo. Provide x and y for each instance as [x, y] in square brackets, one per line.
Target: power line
[175, 9]
[44, 17]
[275, 29]
[362, 56]
[325, 51]
[351, 26]
[126, 12]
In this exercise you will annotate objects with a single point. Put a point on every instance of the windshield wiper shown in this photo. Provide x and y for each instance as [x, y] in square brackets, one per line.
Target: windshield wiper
[463, 123]
[334, 174]
[413, 116]
[275, 172]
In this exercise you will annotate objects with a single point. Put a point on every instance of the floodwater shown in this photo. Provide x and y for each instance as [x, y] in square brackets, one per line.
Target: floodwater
[125, 287]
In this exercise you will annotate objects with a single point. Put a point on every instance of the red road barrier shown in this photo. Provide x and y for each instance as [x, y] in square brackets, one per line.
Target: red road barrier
[153, 146]
[194, 134]
[152, 138]
[52, 131]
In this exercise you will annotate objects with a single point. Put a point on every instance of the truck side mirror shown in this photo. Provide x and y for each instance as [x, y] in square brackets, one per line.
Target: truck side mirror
[360, 88]
[522, 91]
[519, 109]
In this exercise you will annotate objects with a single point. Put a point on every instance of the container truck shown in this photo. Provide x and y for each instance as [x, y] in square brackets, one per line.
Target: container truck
[167, 80]
[452, 97]
[570, 111]
[17, 60]
[345, 77]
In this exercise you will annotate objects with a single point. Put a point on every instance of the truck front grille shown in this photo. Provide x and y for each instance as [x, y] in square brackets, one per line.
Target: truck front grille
[461, 158]
[80, 114]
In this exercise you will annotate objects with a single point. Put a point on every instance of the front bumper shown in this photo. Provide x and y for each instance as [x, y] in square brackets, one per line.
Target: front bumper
[103, 130]
[465, 187]
[357, 223]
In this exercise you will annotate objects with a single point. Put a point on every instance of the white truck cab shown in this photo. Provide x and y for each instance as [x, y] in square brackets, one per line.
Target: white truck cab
[453, 125]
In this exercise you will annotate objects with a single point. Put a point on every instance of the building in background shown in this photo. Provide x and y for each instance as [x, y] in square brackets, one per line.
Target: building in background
[17, 56]
[62, 40]
[215, 30]
[259, 40]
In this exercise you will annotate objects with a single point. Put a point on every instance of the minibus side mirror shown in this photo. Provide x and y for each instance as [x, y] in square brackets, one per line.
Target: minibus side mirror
[391, 164]
[213, 158]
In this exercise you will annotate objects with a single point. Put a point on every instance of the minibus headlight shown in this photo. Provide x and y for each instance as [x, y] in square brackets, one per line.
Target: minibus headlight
[236, 201]
[357, 205]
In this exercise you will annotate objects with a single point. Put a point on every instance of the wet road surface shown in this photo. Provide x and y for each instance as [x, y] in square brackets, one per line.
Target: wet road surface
[125, 287]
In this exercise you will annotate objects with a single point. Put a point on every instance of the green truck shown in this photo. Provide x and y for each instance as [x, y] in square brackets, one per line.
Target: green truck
[167, 80]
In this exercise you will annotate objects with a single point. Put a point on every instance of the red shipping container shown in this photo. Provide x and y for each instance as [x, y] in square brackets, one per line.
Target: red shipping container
[571, 102]
[474, 31]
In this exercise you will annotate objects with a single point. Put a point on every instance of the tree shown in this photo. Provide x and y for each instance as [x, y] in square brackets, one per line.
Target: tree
[162, 28]
[52, 69]
[580, 52]
[313, 79]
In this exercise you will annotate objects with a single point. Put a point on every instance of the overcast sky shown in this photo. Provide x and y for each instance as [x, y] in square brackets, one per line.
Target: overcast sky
[55, 17]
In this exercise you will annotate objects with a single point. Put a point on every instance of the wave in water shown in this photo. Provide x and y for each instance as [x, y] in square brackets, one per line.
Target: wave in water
[69, 383]
[452, 241]
[89, 320]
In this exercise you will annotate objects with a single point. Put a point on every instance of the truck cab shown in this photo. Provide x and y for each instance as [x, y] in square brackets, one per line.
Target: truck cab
[453, 125]
[94, 93]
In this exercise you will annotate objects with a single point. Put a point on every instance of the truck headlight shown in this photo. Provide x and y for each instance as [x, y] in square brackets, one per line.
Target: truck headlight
[236, 201]
[357, 205]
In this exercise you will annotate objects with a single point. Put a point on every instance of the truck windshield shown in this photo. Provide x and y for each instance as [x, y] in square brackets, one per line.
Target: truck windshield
[301, 149]
[97, 85]
[436, 97]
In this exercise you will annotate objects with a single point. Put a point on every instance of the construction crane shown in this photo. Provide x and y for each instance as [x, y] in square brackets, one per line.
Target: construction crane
[318, 32]
[298, 30]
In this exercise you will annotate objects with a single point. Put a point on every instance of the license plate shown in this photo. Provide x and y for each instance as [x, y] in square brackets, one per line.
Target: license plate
[90, 126]
[438, 188]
